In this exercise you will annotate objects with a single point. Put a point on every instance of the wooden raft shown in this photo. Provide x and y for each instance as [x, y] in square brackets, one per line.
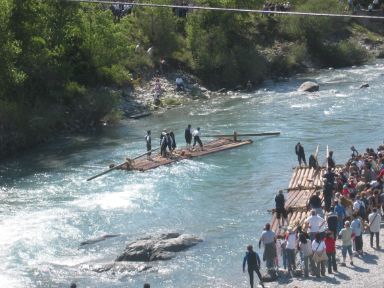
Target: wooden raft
[218, 145]
[304, 183]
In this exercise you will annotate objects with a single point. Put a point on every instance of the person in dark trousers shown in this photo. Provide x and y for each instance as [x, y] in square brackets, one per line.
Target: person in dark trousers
[280, 208]
[330, 161]
[173, 145]
[332, 221]
[149, 144]
[329, 186]
[299, 149]
[169, 142]
[196, 138]
[252, 259]
[312, 161]
[146, 285]
[163, 143]
[188, 136]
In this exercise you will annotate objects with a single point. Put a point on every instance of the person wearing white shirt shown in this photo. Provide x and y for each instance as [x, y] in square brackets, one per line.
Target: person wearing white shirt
[318, 247]
[291, 249]
[315, 224]
[196, 138]
[374, 220]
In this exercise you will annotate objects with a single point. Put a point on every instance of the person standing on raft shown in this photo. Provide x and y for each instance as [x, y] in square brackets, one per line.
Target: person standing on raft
[149, 144]
[163, 143]
[188, 136]
[196, 138]
[299, 149]
[253, 262]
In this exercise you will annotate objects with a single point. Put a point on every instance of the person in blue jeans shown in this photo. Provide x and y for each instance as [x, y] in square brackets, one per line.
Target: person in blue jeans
[252, 259]
[340, 211]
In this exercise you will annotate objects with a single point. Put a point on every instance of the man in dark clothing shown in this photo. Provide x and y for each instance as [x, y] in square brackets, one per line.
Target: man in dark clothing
[314, 203]
[329, 186]
[253, 261]
[299, 149]
[332, 221]
[330, 161]
[163, 144]
[149, 145]
[313, 162]
[188, 136]
[280, 208]
[172, 135]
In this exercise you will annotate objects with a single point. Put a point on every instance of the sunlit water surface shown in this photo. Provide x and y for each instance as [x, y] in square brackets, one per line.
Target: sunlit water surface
[47, 208]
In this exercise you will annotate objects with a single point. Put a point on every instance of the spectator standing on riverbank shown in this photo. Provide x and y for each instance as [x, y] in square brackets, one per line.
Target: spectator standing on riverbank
[332, 221]
[268, 238]
[314, 203]
[346, 239]
[252, 260]
[299, 150]
[318, 248]
[291, 239]
[305, 246]
[330, 248]
[357, 233]
[374, 226]
[315, 224]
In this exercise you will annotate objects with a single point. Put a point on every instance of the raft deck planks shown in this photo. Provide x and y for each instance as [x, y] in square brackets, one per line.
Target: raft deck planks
[209, 148]
[303, 184]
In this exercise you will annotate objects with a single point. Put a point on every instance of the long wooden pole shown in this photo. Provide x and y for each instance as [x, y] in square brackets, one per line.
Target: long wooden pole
[120, 165]
[245, 134]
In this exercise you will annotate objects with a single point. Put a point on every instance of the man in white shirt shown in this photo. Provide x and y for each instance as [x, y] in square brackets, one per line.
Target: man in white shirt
[315, 224]
[196, 138]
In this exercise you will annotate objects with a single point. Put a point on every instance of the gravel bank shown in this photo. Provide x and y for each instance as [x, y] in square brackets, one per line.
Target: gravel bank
[366, 272]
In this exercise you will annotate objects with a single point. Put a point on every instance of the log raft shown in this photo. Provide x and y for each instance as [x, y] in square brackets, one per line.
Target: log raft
[303, 184]
[218, 145]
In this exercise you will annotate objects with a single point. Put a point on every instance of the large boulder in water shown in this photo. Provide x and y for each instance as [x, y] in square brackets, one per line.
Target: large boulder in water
[309, 86]
[161, 247]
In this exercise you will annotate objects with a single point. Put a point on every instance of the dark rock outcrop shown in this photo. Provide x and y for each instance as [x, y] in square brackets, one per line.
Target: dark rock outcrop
[161, 247]
[309, 86]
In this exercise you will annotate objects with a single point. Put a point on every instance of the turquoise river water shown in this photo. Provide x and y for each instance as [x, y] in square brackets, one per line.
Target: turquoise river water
[47, 208]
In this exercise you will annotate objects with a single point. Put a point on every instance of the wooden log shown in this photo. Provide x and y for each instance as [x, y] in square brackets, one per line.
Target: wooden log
[292, 178]
[242, 134]
[120, 165]
[305, 178]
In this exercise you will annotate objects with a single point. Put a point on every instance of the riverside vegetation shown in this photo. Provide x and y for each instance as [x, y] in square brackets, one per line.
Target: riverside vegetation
[64, 65]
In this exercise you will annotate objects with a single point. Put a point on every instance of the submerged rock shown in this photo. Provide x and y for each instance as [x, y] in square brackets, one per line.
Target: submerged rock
[161, 247]
[309, 86]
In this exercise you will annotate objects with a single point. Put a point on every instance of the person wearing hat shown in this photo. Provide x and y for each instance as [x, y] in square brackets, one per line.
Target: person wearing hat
[299, 150]
[346, 241]
[149, 144]
[253, 262]
[196, 138]
[280, 208]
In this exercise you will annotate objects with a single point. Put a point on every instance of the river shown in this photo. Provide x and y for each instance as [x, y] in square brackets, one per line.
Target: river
[47, 208]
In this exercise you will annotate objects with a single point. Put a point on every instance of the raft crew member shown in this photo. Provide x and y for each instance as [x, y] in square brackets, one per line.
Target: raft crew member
[169, 142]
[312, 161]
[299, 149]
[252, 260]
[330, 161]
[355, 153]
[188, 136]
[196, 138]
[149, 144]
[163, 143]
[280, 209]
[173, 144]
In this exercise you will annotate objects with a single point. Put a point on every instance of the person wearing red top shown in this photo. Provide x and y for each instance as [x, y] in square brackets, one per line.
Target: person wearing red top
[330, 248]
